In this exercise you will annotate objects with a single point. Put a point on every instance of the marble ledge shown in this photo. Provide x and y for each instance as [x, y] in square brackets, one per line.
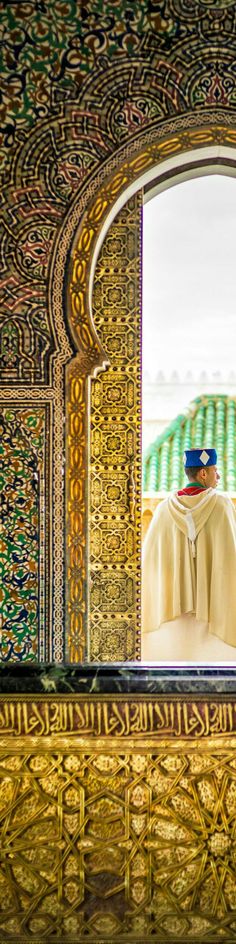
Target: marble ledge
[118, 678]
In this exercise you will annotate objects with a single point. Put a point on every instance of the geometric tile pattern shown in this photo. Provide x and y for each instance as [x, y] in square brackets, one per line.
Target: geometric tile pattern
[23, 541]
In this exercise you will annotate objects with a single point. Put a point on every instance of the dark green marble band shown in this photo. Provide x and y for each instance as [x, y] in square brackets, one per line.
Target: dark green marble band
[117, 678]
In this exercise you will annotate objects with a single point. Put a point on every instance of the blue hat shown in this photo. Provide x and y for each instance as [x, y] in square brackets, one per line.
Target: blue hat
[194, 458]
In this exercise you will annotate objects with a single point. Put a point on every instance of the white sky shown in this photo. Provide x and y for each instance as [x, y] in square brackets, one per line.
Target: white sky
[189, 278]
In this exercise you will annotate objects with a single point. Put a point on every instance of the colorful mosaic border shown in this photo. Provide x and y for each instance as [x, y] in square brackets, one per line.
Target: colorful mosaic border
[25, 531]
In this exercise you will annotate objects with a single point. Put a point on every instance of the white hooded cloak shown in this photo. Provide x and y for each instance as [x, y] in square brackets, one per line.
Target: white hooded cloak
[189, 563]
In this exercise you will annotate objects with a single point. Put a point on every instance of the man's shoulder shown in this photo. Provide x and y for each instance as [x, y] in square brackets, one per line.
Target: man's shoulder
[161, 507]
[224, 501]
[224, 498]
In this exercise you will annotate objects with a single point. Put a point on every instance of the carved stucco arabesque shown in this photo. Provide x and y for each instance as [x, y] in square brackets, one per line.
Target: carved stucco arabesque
[117, 819]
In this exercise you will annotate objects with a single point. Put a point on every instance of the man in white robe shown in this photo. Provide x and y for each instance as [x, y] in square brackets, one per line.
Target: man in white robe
[189, 571]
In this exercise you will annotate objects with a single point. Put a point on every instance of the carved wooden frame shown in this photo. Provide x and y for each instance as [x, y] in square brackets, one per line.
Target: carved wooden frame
[196, 143]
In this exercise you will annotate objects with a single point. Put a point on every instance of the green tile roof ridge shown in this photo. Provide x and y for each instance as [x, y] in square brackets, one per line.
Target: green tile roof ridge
[209, 419]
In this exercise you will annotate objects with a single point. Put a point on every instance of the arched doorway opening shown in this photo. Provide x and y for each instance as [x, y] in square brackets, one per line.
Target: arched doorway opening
[197, 155]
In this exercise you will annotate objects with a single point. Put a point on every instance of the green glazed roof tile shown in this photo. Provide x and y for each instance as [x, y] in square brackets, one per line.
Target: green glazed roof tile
[208, 421]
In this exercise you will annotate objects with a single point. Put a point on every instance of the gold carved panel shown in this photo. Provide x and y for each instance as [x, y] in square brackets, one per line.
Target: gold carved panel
[107, 598]
[117, 819]
[115, 453]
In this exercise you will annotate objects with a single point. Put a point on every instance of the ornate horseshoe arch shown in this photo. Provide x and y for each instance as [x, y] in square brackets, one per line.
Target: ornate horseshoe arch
[102, 541]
